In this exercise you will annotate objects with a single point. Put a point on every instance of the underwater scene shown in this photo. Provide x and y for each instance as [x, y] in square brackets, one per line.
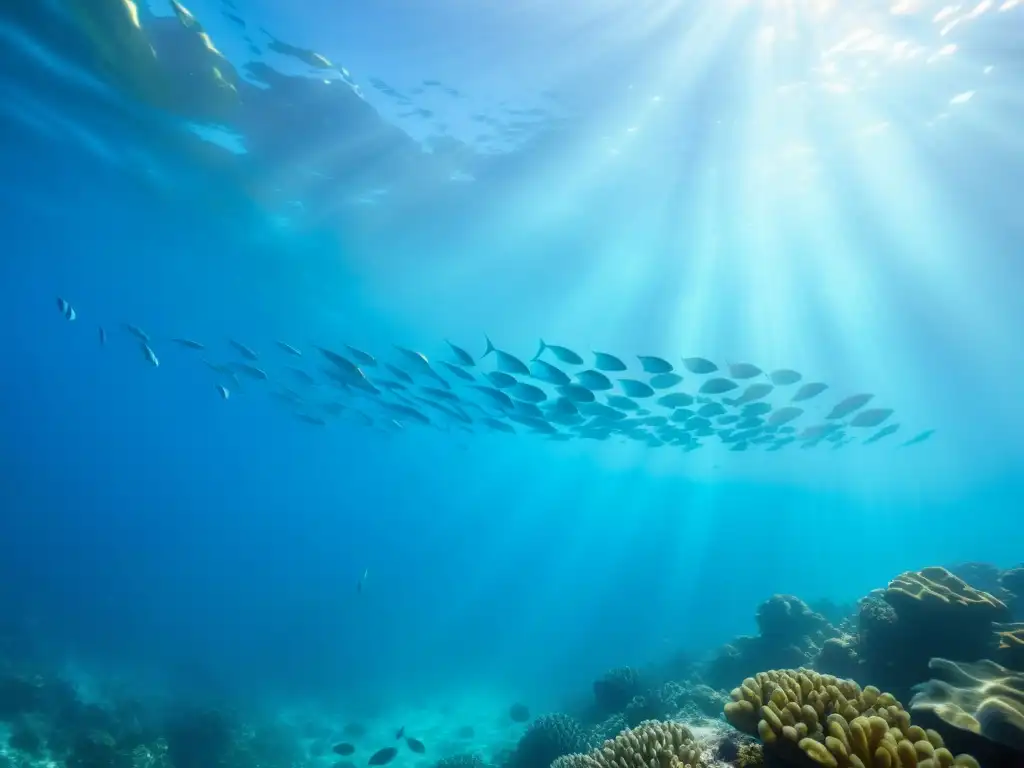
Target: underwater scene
[451, 384]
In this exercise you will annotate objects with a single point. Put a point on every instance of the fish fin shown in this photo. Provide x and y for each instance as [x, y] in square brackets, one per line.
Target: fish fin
[490, 346]
[540, 351]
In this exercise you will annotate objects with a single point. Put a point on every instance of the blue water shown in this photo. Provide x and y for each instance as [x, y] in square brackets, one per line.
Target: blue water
[652, 192]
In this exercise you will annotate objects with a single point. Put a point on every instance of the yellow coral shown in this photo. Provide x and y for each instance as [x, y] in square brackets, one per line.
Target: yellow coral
[809, 718]
[939, 585]
[652, 744]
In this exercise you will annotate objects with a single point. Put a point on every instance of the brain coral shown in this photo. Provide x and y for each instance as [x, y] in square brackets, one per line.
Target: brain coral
[652, 744]
[807, 719]
[547, 738]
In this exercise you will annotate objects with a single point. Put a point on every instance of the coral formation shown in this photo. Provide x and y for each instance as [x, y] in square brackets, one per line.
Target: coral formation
[461, 761]
[548, 738]
[616, 688]
[983, 701]
[1010, 651]
[652, 744]
[656, 704]
[791, 635]
[1012, 582]
[805, 718]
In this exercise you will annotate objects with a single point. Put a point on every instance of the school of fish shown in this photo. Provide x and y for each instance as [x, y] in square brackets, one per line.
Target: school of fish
[687, 404]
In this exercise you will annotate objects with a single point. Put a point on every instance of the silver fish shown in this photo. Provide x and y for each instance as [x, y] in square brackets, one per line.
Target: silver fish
[652, 364]
[784, 377]
[848, 405]
[137, 332]
[752, 393]
[576, 393]
[289, 349]
[634, 388]
[743, 371]
[360, 357]
[606, 362]
[784, 415]
[594, 380]
[462, 357]
[455, 370]
[699, 365]
[243, 350]
[885, 431]
[150, 355]
[807, 391]
[103, 337]
[225, 393]
[501, 380]
[872, 417]
[623, 403]
[563, 354]
[546, 372]
[506, 363]
[527, 393]
[66, 309]
[188, 343]
[665, 380]
[717, 386]
[676, 400]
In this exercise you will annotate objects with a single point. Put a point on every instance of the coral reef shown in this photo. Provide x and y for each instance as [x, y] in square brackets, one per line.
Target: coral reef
[652, 744]
[548, 738]
[805, 718]
[616, 688]
[790, 635]
[1012, 582]
[984, 704]
[656, 704]
[461, 761]
[1010, 652]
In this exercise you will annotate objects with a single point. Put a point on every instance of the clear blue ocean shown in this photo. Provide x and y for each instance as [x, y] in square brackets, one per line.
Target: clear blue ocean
[450, 384]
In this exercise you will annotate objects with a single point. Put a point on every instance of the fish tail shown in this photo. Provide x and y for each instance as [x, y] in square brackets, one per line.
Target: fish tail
[490, 346]
[540, 351]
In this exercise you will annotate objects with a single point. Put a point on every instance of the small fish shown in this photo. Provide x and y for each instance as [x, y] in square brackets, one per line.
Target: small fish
[137, 332]
[652, 364]
[883, 432]
[344, 748]
[507, 363]
[606, 362]
[314, 420]
[920, 437]
[66, 309]
[634, 388]
[500, 426]
[345, 365]
[784, 377]
[752, 393]
[717, 386]
[289, 349]
[743, 371]
[302, 376]
[665, 380]
[251, 371]
[400, 733]
[103, 337]
[188, 343]
[415, 745]
[807, 391]
[710, 410]
[576, 393]
[462, 357]
[872, 417]
[496, 396]
[527, 392]
[546, 372]
[676, 400]
[563, 354]
[243, 350]
[756, 409]
[362, 358]
[359, 588]
[623, 403]
[150, 355]
[225, 393]
[784, 415]
[848, 405]
[417, 359]
[457, 371]
[502, 380]
[594, 380]
[399, 373]
[699, 365]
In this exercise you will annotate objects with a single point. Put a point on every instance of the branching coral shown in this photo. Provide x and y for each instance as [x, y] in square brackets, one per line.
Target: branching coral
[652, 744]
[808, 719]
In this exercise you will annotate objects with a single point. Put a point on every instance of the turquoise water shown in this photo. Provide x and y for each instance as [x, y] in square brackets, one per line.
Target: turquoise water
[801, 186]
